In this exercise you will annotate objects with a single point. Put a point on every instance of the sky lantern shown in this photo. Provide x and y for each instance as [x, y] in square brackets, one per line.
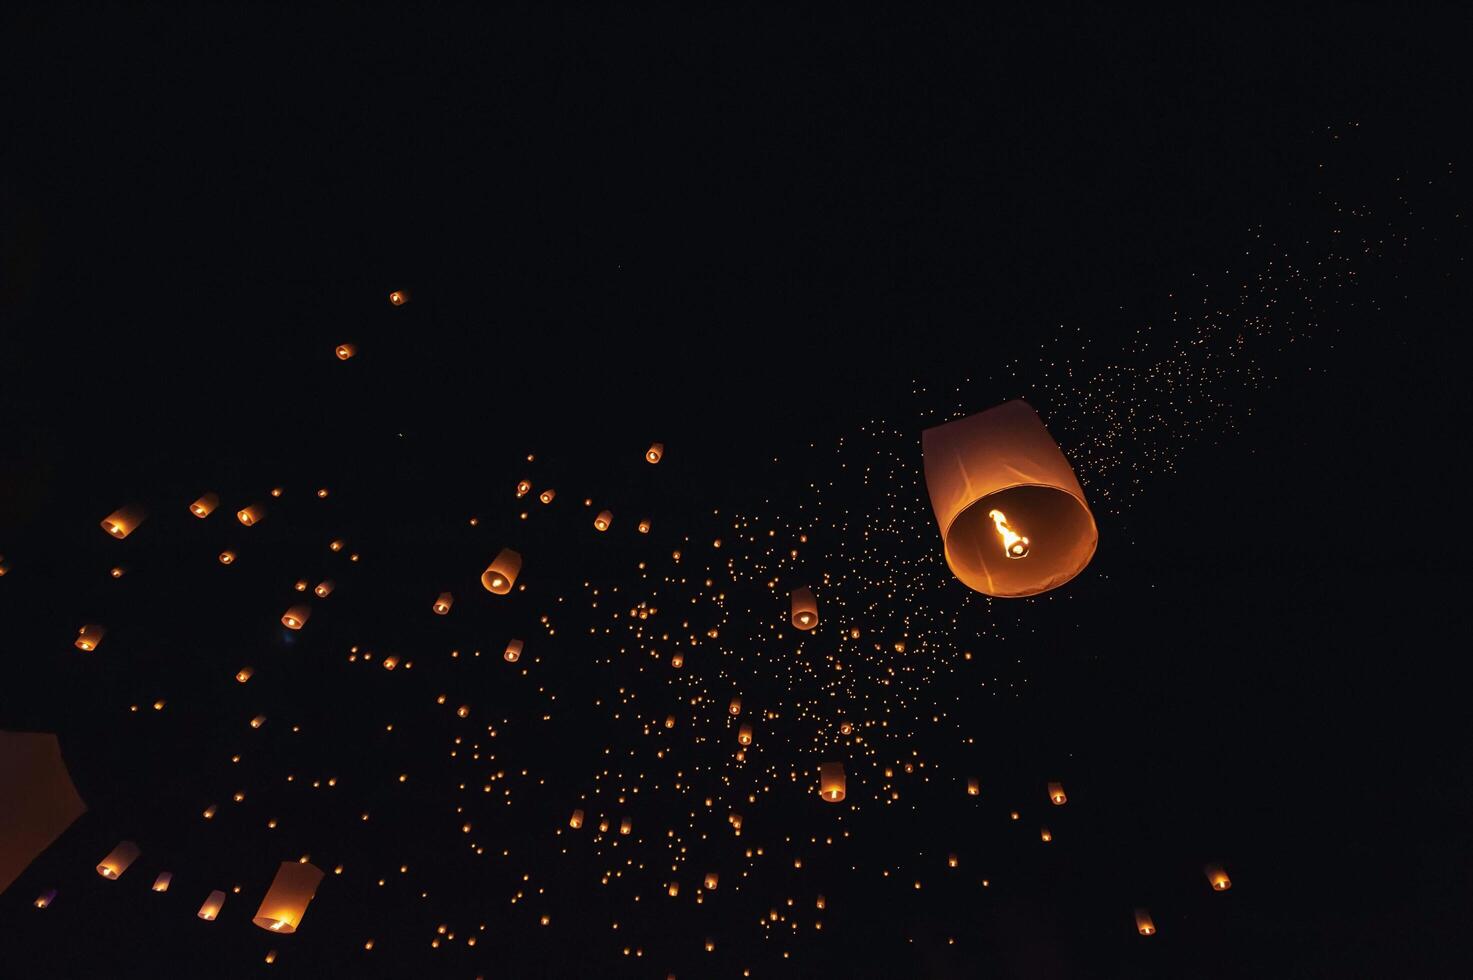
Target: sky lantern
[212, 906]
[501, 574]
[45, 899]
[399, 297]
[974, 787]
[227, 557]
[576, 820]
[805, 608]
[524, 487]
[123, 521]
[117, 860]
[40, 801]
[89, 637]
[677, 661]
[1217, 878]
[735, 707]
[345, 351]
[1045, 835]
[603, 520]
[547, 495]
[644, 526]
[205, 505]
[286, 900]
[252, 515]
[1013, 518]
[258, 721]
[625, 826]
[831, 781]
[711, 880]
[296, 617]
[324, 588]
[1144, 924]
[161, 883]
[513, 651]
[244, 674]
[1056, 794]
[655, 452]
[443, 603]
[744, 735]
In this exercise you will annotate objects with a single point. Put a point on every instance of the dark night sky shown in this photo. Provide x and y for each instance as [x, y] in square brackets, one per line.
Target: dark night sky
[748, 235]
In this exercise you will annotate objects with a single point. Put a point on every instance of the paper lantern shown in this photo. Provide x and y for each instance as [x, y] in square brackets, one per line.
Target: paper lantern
[501, 574]
[227, 557]
[677, 661]
[39, 800]
[161, 883]
[546, 496]
[603, 520]
[123, 521]
[673, 889]
[296, 617]
[655, 452]
[258, 721]
[117, 861]
[399, 297]
[1056, 794]
[710, 882]
[324, 588]
[89, 637]
[735, 707]
[625, 826]
[345, 351]
[831, 781]
[1143, 923]
[443, 603]
[805, 608]
[205, 505]
[212, 906]
[244, 674]
[1045, 835]
[576, 820]
[644, 527]
[513, 651]
[744, 735]
[974, 788]
[45, 899]
[286, 901]
[1013, 518]
[251, 515]
[669, 721]
[1217, 878]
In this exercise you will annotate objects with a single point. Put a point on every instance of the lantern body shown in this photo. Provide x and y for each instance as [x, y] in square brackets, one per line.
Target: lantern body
[286, 901]
[122, 522]
[45, 899]
[603, 520]
[399, 297]
[625, 826]
[443, 603]
[161, 883]
[501, 574]
[324, 589]
[244, 674]
[1056, 794]
[345, 351]
[1004, 462]
[576, 820]
[205, 505]
[513, 651]
[644, 527]
[117, 861]
[655, 452]
[1045, 835]
[1144, 924]
[296, 617]
[805, 608]
[711, 880]
[212, 906]
[1217, 878]
[227, 557]
[89, 637]
[736, 705]
[974, 788]
[744, 734]
[831, 782]
[546, 496]
[40, 801]
[251, 515]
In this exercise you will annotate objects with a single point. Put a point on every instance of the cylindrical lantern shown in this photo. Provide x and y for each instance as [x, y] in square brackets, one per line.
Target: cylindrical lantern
[244, 674]
[644, 526]
[227, 557]
[212, 906]
[711, 880]
[253, 514]
[576, 820]
[744, 735]
[121, 522]
[677, 661]
[513, 651]
[45, 899]
[974, 788]
[831, 782]
[735, 707]
[443, 603]
[324, 588]
[205, 505]
[1045, 835]
[501, 574]
[1144, 923]
[113, 866]
[656, 450]
[546, 496]
[603, 520]
[805, 608]
[295, 617]
[258, 721]
[161, 883]
[399, 297]
[89, 637]
[673, 889]
[625, 826]
[1056, 794]
[286, 901]
[524, 487]
[1217, 878]
[1013, 518]
[345, 351]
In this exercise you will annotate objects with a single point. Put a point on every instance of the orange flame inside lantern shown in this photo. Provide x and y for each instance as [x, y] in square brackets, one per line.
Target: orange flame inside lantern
[1014, 545]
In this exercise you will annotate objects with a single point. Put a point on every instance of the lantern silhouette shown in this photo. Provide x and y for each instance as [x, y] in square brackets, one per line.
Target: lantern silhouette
[45, 899]
[673, 889]
[576, 820]
[524, 487]
[711, 880]
[546, 496]
[244, 674]
[40, 801]
[501, 574]
[655, 452]
[735, 707]
[117, 860]
[345, 351]
[974, 788]
[123, 521]
[831, 781]
[443, 603]
[1056, 794]
[212, 906]
[1144, 924]
[677, 661]
[744, 734]
[1013, 518]
[625, 826]
[161, 883]
[644, 527]
[296, 617]
[513, 651]
[251, 515]
[805, 608]
[89, 637]
[205, 505]
[399, 297]
[286, 900]
[1045, 835]
[227, 557]
[1217, 878]
[324, 588]
[603, 520]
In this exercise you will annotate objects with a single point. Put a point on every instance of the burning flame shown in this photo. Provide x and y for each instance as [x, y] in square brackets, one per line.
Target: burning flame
[1014, 545]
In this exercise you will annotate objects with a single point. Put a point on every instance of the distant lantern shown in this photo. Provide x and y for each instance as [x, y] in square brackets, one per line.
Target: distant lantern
[974, 788]
[254, 514]
[644, 526]
[678, 661]
[1217, 878]
[576, 820]
[546, 496]
[391, 661]
[443, 603]
[286, 901]
[1045, 835]
[845, 727]
[324, 588]
[295, 617]
[669, 721]
[673, 889]
[744, 735]
[1144, 924]
[117, 861]
[258, 721]
[625, 826]
[161, 883]
[952, 860]
[656, 450]
[831, 782]
[244, 674]
[345, 351]
[805, 608]
[524, 487]
[513, 652]
[45, 899]
[89, 637]
[301, 585]
[40, 800]
[212, 906]
[123, 521]
[501, 574]
[603, 520]
[1056, 794]
[336, 544]
[1013, 518]
[227, 557]
[710, 882]
[205, 505]
[399, 297]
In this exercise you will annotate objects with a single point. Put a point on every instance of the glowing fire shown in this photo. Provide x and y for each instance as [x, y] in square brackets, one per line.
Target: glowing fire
[1014, 545]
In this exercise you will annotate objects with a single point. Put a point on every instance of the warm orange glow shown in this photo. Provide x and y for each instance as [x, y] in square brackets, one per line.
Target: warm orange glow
[831, 782]
[324, 588]
[804, 608]
[603, 520]
[286, 901]
[546, 496]
[625, 826]
[244, 674]
[655, 452]
[117, 861]
[710, 882]
[974, 788]
[258, 721]
[44, 899]
[443, 603]
[123, 521]
[345, 351]
[161, 883]
[744, 735]
[735, 707]
[513, 651]
[1217, 878]
[678, 661]
[576, 820]
[1014, 545]
[673, 889]
[212, 906]
[205, 505]
[296, 617]
[251, 515]
[501, 574]
[227, 557]
[644, 527]
[1045, 835]
[1056, 794]
[524, 488]
[89, 637]
[1144, 923]
[399, 297]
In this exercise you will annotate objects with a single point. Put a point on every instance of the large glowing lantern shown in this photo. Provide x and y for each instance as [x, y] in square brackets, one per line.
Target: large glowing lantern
[40, 801]
[1056, 794]
[1013, 518]
[805, 608]
[251, 515]
[576, 820]
[205, 505]
[1144, 924]
[122, 522]
[513, 652]
[286, 901]
[296, 617]
[744, 734]
[501, 574]
[117, 860]
[345, 351]
[604, 519]
[831, 782]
